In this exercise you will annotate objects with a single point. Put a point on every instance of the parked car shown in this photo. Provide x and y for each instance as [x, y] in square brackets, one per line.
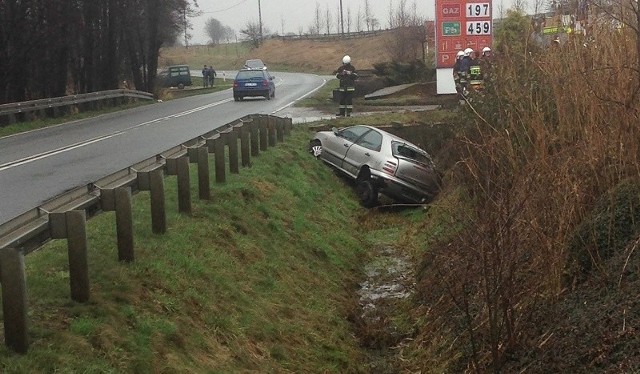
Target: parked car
[249, 82]
[379, 162]
[176, 76]
[255, 63]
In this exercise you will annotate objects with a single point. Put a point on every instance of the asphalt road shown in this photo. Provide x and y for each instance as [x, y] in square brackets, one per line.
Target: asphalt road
[39, 165]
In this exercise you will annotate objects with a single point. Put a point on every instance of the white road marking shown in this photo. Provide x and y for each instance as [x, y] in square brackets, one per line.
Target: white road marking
[85, 143]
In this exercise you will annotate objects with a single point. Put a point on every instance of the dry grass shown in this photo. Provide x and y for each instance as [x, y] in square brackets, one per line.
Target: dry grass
[302, 55]
[551, 145]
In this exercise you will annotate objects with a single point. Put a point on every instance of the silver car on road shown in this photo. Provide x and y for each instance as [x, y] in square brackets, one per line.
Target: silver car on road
[379, 162]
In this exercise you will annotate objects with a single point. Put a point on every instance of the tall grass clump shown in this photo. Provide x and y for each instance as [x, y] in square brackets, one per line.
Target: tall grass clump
[554, 132]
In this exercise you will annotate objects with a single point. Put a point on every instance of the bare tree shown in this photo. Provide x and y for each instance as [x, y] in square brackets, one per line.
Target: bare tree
[252, 33]
[359, 19]
[368, 17]
[328, 20]
[216, 31]
[317, 21]
[410, 33]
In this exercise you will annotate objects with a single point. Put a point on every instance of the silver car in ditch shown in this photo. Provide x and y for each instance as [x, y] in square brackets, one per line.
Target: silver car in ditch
[379, 162]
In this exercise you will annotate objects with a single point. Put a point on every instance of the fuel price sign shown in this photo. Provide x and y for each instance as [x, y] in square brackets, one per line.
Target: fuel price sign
[461, 24]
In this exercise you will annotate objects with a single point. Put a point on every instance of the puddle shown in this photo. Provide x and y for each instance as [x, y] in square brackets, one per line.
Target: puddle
[388, 282]
[388, 276]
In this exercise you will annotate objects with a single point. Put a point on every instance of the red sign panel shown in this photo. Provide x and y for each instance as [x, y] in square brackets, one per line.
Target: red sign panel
[461, 24]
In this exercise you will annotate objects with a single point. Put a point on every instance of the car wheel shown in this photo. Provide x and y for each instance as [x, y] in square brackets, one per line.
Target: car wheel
[315, 148]
[236, 98]
[267, 96]
[180, 86]
[367, 193]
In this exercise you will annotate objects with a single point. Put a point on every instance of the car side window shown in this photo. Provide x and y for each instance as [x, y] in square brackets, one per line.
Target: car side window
[352, 133]
[371, 140]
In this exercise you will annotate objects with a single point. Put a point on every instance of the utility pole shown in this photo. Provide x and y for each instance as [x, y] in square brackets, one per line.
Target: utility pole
[186, 35]
[341, 18]
[260, 19]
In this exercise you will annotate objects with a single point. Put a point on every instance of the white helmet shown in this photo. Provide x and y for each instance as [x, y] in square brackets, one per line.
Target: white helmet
[346, 59]
[468, 52]
[459, 54]
[486, 49]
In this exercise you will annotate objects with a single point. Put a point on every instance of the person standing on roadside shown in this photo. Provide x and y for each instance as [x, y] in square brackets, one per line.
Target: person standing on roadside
[211, 75]
[347, 75]
[205, 76]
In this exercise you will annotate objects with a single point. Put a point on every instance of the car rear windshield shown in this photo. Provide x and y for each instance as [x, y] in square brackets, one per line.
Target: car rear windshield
[248, 74]
[406, 151]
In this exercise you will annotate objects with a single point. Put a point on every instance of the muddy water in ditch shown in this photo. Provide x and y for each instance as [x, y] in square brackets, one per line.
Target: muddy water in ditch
[383, 296]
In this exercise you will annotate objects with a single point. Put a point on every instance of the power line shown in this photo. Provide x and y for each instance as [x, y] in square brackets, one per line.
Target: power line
[225, 9]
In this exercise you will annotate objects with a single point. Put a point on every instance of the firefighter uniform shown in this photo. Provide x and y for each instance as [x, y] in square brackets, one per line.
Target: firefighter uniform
[347, 76]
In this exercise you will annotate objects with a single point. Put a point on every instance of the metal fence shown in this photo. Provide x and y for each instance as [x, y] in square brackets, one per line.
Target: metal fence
[51, 107]
[65, 216]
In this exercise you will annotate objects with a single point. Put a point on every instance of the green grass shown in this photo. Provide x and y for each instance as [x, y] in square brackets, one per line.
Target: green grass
[260, 278]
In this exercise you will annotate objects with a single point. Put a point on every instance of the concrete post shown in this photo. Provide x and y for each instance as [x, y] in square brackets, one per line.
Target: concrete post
[232, 141]
[245, 145]
[158, 212]
[204, 189]
[14, 299]
[78, 259]
[279, 130]
[254, 130]
[184, 185]
[219, 159]
[264, 133]
[272, 131]
[124, 224]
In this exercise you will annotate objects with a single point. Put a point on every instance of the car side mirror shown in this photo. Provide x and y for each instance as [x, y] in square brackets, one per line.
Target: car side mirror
[271, 77]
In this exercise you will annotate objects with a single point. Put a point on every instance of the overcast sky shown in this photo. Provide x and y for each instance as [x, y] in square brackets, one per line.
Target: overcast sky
[292, 15]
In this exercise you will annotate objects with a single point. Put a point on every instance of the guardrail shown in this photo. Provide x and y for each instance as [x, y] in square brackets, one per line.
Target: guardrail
[10, 113]
[65, 216]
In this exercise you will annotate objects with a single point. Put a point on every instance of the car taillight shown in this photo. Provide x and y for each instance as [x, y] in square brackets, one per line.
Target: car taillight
[235, 84]
[390, 167]
[265, 83]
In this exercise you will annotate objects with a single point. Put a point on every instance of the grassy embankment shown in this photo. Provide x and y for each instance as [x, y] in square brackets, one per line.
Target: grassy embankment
[260, 278]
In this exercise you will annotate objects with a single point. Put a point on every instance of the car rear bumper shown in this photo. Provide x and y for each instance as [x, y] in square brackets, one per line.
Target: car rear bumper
[402, 191]
[256, 92]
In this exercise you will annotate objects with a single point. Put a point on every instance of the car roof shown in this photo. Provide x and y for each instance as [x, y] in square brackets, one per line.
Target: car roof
[389, 135]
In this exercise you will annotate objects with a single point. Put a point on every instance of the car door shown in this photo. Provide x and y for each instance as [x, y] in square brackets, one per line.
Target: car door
[364, 151]
[336, 145]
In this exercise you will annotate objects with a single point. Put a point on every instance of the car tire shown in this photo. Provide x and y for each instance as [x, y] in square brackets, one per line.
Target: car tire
[315, 148]
[267, 96]
[180, 86]
[367, 193]
[236, 98]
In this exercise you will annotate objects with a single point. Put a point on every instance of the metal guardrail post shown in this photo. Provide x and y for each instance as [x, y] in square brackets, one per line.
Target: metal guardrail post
[184, 185]
[71, 225]
[219, 159]
[14, 299]
[204, 188]
[232, 141]
[245, 153]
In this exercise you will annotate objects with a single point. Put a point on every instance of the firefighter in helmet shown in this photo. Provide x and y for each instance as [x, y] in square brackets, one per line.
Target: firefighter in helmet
[347, 75]
[456, 72]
